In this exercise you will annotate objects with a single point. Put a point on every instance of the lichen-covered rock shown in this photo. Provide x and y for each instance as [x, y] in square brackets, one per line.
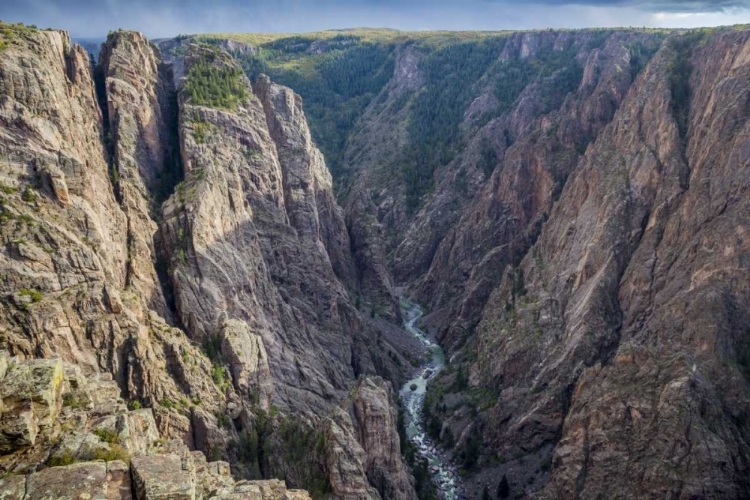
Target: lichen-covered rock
[136, 430]
[73, 482]
[31, 394]
[260, 490]
[13, 487]
[162, 477]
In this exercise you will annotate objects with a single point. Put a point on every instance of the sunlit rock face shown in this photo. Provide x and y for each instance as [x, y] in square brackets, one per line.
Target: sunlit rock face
[179, 251]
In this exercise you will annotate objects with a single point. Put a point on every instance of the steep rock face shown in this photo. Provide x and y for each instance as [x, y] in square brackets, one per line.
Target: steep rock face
[141, 113]
[66, 254]
[468, 238]
[346, 460]
[254, 221]
[308, 187]
[512, 160]
[258, 268]
[375, 202]
[260, 242]
[229, 220]
[626, 340]
[376, 420]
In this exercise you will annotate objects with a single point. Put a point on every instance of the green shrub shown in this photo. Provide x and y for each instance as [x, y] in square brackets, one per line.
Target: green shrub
[219, 375]
[13, 33]
[462, 380]
[107, 435]
[300, 444]
[519, 285]
[28, 195]
[437, 110]
[488, 160]
[66, 458]
[115, 452]
[71, 401]
[641, 53]
[471, 451]
[114, 176]
[223, 420]
[36, 295]
[203, 130]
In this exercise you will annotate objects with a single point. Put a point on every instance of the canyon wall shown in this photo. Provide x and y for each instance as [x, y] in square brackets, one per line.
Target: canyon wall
[181, 237]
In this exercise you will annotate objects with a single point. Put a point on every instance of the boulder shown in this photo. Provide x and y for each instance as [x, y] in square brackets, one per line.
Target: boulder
[13, 488]
[84, 481]
[54, 179]
[162, 477]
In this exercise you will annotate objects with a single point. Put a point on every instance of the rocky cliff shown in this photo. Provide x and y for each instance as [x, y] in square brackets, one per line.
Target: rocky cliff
[184, 240]
[569, 205]
[590, 289]
[100, 448]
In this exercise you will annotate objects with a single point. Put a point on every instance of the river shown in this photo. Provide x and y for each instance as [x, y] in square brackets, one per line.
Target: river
[444, 475]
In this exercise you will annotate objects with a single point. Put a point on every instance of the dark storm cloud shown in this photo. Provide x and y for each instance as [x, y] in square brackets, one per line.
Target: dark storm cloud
[168, 17]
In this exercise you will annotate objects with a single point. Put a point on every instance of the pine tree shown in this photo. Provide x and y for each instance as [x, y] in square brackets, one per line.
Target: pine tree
[503, 489]
[485, 494]
[461, 379]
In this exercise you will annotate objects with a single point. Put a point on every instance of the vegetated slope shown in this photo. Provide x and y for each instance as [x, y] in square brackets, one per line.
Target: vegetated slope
[577, 226]
[223, 312]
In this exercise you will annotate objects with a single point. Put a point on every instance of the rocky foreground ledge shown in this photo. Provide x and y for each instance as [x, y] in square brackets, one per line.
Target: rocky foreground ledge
[64, 435]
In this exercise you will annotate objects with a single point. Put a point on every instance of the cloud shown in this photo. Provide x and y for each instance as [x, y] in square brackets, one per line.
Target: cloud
[161, 18]
[660, 5]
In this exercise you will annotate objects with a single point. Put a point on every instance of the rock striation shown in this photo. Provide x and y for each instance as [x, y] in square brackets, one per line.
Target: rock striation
[187, 254]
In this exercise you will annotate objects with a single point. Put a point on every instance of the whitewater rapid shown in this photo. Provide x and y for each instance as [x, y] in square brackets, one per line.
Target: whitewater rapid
[444, 475]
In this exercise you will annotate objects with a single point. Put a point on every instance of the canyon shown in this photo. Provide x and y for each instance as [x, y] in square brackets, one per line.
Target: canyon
[210, 245]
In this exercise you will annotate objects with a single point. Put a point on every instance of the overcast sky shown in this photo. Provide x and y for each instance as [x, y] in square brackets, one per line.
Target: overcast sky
[162, 18]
